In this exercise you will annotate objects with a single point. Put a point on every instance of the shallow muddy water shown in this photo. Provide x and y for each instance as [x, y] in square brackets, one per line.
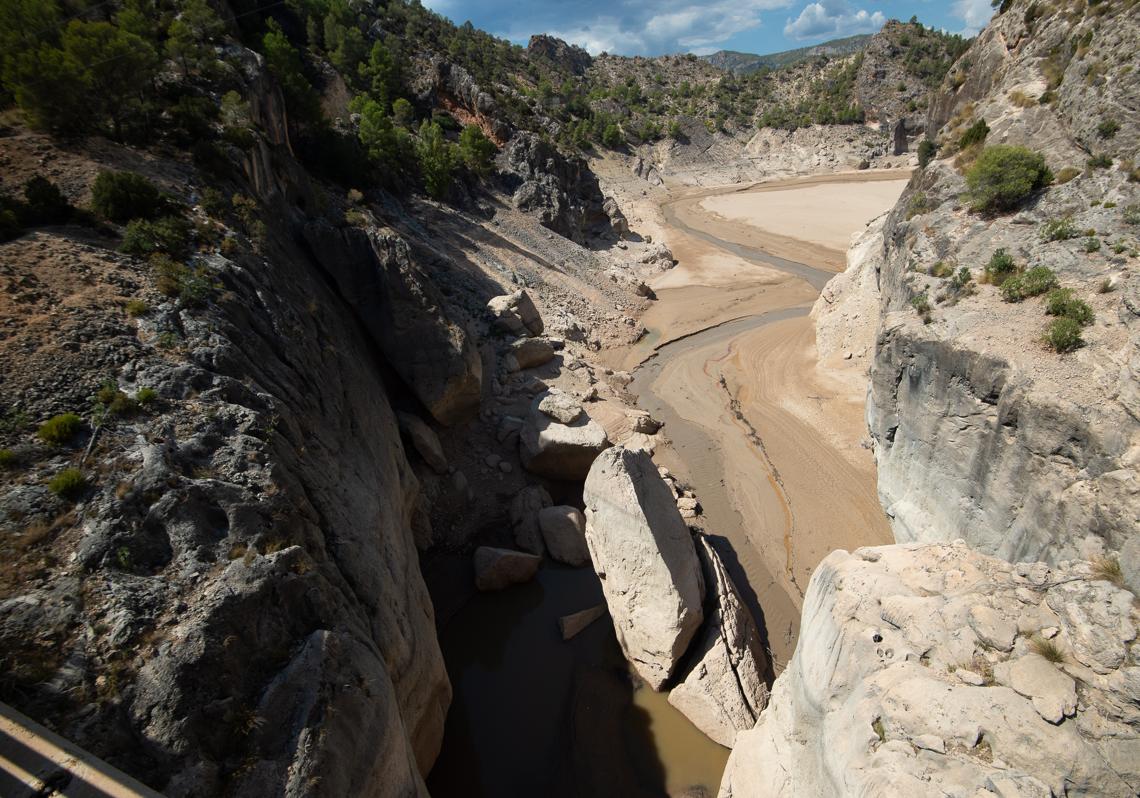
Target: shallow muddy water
[534, 715]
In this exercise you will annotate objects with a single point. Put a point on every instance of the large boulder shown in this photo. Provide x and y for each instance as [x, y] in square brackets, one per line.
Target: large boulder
[524, 511]
[564, 532]
[423, 440]
[515, 314]
[560, 451]
[724, 691]
[893, 691]
[532, 352]
[397, 303]
[643, 553]
[496, 569]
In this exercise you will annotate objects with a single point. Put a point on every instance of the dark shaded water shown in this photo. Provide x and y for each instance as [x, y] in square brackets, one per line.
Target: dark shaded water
[534, 715]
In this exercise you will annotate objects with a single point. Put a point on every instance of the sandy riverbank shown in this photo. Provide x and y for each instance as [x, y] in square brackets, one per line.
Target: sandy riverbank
[757, 425]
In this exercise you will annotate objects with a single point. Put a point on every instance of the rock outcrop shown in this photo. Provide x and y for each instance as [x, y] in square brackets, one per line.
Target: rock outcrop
[560, 189]
[724, 691]
[524, 511]
[569, 57]
[893, 691]
[397, 303]
[424, 441]
[560, 451]
[643, 553]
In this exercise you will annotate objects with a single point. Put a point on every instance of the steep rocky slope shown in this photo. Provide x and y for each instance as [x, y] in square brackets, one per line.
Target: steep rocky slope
[982, 431]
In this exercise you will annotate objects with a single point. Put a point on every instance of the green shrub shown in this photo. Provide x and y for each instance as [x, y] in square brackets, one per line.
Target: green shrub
[146, 397]
[975, 134]
[1092, 244]
[436, 159]
[60, 429]
[1034, 282]
[9, 225]
[1131, 214]
[68, 484]
[927, 149]
[921, 304]
[136, 308]
[122, 196]
[44, 203]
[170, 234]
[1107, 128]
[1004, 176]
[1061, 302]
[476, 151]
[1000, 268]
[1064, 335]
[1059, 229]
[1100, 161]
[214, 202]
[612, 136]
[962, 278]
[179, 281]
[8, 459]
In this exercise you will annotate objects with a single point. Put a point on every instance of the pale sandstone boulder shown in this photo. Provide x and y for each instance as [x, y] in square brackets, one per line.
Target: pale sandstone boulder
[564, 532]
[530, 353]
[496, 569]
[724, 691]
[424, 441]
[889, 673]
[560, 451]
[644, 555]
[515, 314]
[560, 406]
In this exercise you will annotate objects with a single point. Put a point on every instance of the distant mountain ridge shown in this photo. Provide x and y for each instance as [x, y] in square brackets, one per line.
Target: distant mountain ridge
[744, 63]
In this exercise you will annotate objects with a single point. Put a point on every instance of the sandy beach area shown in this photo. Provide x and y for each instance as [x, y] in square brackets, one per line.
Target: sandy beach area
[773, 443]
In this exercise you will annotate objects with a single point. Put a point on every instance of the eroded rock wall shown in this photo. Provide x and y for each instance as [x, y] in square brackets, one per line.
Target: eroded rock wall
[932, 669]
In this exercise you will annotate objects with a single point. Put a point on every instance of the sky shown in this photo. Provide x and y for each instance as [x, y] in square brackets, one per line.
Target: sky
[657, 27]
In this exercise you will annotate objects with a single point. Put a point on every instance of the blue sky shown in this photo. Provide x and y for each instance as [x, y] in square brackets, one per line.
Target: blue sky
[654, 27]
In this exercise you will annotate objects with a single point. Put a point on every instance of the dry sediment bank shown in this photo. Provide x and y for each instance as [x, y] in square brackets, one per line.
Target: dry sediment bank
[772, 444]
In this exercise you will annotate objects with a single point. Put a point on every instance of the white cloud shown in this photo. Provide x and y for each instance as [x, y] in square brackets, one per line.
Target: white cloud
[639, 28]
[831, 18]
[975, 15]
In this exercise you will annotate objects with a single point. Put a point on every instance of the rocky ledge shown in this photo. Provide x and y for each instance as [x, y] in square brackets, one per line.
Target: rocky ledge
[935, 670]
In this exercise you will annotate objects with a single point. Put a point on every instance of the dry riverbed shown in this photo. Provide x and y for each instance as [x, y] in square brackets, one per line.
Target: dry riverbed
[772, 443]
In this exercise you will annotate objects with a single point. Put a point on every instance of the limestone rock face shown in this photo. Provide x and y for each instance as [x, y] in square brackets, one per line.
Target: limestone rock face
[515, 314]
[644, 555]
[891, 690]
[560, 451]
[496, 569]
[398, 303]
[1027, 453]
[561, 190]
[724, 691]
[564, 532]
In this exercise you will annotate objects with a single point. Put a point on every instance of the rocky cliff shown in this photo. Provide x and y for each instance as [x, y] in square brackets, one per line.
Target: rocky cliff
[981, 430]
[935, 670]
